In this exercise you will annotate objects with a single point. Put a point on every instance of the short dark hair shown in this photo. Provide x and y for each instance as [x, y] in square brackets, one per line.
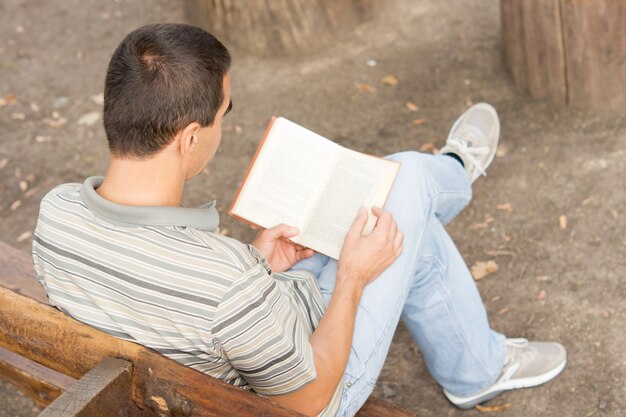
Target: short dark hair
[161, 78]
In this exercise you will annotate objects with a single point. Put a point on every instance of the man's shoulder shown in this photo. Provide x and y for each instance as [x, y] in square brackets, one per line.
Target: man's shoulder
[63, 207]
[68, 193]
[70, 188]
[61, 201]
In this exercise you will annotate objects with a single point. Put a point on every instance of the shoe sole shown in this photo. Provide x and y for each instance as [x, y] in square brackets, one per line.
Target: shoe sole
[466, 403]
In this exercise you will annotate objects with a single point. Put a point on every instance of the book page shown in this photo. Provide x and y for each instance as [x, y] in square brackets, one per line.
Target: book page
[357, 180]
[286, 177]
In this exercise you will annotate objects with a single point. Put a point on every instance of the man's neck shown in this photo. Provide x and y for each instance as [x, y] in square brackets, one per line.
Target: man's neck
[153, 182]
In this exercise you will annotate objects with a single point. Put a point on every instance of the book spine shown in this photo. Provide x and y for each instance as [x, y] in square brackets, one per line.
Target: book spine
[245, 178]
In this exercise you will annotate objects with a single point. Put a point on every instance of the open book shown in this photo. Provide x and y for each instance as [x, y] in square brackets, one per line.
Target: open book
[299, 178]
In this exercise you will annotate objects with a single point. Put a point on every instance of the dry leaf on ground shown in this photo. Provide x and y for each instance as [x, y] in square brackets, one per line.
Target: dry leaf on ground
[23, 186]
[503, 311]
[389, 80]
[55, 122]
[24, 236]
[493, 408]
[42, 139]
[366, 88]
[30, 193]
[411, 106]
[16, 204]
[562, 222]
[18, 116]
[477, 226]
[541, 295]
[10, 98]
[98, 98]
[505, 207]
[502, 150]
[427, 147]
[89, 119]
[614, 213]
[419, 121]
[587, 201]
[233, 127]
[482, 269]
[482, 225]
[500, 253]
[34, 107]
[3, 163]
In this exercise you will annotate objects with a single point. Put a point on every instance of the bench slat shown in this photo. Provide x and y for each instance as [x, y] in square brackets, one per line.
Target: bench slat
[38, 382]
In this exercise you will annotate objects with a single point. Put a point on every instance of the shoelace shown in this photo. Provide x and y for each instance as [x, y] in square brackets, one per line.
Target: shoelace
[461, 143]
[516, 350]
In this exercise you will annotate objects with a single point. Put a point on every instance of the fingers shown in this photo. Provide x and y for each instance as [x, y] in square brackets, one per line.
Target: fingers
[303, 254]
[281, 230]
[387, 229]
[377, 211]
[358, 225]
[384, 219]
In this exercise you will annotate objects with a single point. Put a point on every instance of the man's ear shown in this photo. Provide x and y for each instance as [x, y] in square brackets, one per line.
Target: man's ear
[188, 138]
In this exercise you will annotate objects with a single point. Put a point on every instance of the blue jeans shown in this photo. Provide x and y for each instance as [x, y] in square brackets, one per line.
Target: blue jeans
[429, 286]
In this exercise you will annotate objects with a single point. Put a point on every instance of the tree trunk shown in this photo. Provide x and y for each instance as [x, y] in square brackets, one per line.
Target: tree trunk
[278, 27]
[567, 51]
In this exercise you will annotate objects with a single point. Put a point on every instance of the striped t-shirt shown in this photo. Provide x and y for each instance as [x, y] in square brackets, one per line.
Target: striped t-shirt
[163, 277]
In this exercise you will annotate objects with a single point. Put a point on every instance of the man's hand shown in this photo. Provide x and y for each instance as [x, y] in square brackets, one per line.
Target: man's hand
[280, 253]
[364, 258]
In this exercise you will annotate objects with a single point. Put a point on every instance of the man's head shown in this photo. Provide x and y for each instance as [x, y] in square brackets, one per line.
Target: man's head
[162, 80]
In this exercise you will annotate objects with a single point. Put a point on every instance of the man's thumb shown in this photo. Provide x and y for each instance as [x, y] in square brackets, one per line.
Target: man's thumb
[283, 230]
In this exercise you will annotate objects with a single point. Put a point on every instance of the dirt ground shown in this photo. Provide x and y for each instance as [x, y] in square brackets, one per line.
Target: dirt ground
[551, 213]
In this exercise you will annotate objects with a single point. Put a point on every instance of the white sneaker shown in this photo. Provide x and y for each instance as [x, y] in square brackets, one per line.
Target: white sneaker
[527, 365]
[474, 139]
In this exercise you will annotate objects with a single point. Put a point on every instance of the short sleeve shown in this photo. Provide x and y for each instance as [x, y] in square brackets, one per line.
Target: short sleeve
[262, 335]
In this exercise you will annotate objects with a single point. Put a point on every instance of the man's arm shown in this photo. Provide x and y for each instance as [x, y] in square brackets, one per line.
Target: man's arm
[362, 259]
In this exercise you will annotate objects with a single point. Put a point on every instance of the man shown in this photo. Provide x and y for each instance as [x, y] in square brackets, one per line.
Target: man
[311, 333]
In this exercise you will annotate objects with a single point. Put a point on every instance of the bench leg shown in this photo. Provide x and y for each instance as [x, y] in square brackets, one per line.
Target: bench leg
[102, 392]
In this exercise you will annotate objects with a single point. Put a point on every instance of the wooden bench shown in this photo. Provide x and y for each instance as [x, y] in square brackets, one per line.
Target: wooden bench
[75, 370]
